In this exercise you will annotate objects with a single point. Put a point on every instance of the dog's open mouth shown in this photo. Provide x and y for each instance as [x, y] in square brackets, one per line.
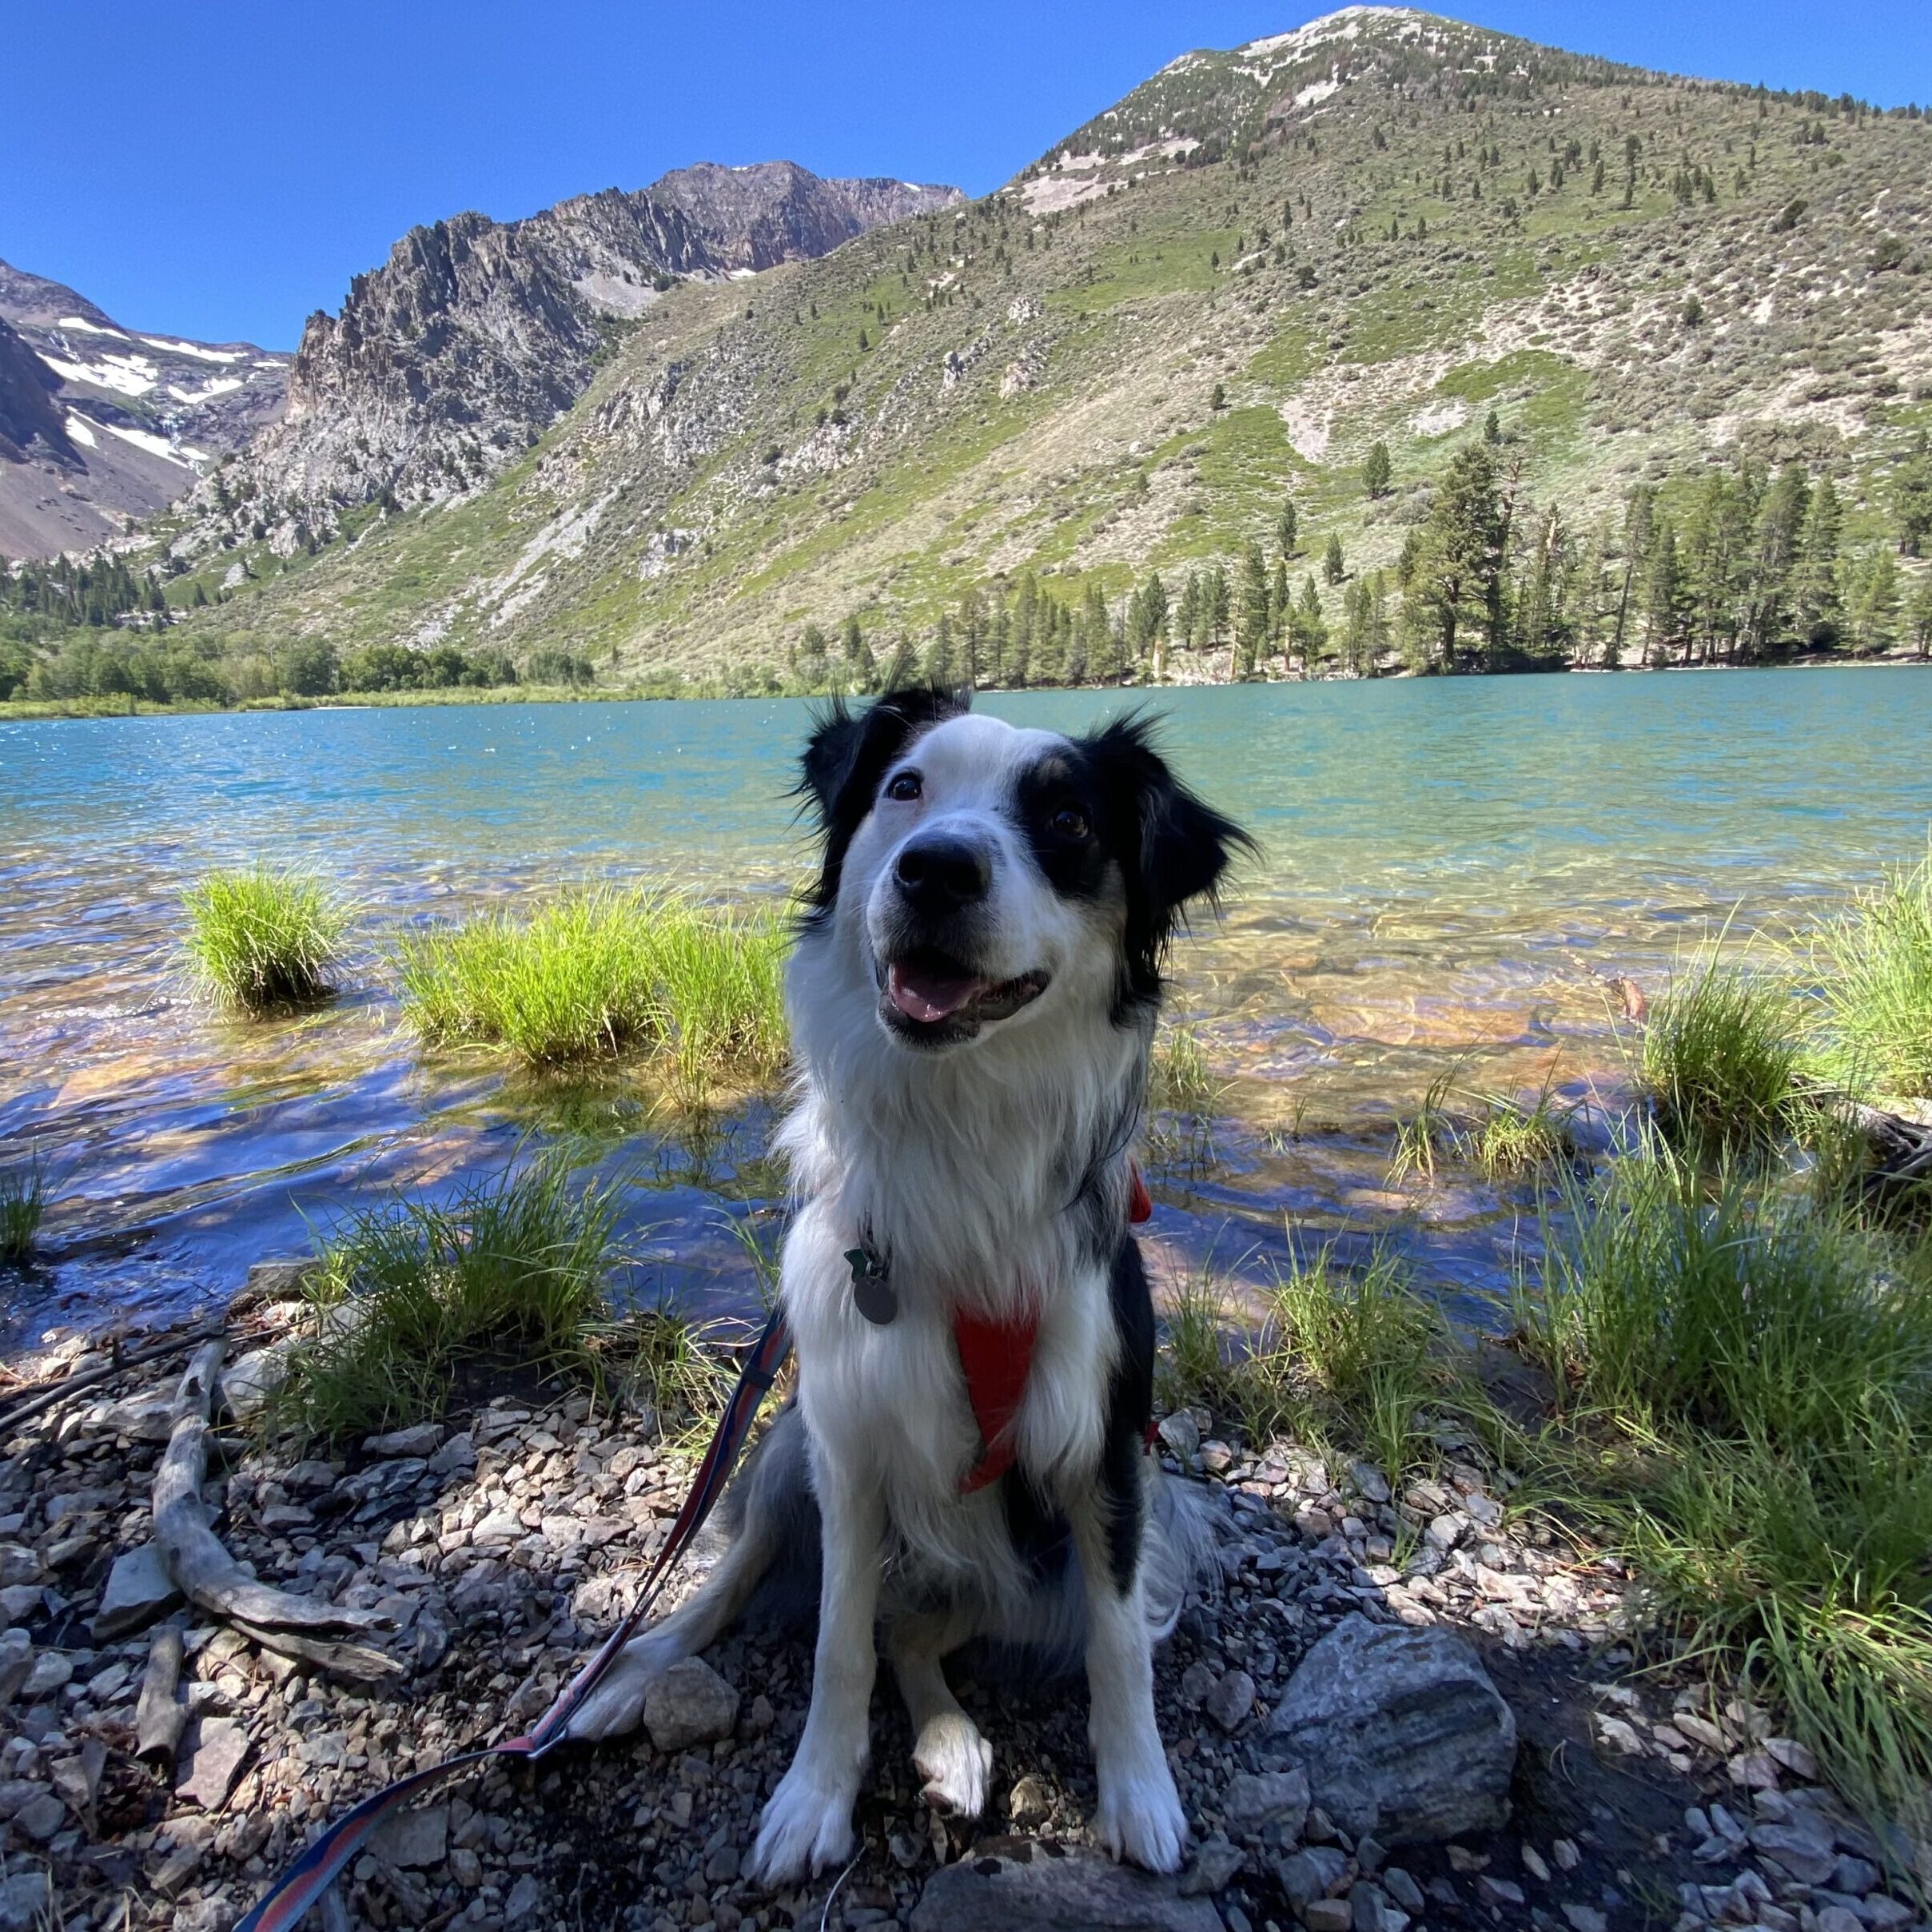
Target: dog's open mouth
[928, 991]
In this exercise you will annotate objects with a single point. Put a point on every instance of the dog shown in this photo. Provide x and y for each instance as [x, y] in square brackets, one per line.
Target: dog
[972, 998]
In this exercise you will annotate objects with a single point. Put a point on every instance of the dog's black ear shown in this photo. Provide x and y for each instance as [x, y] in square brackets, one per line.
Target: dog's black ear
[846, 757]
[1174, 848]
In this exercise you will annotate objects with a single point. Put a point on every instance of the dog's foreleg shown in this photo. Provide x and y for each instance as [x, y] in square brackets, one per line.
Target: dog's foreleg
[1139, 1815]
[948, 1750]
[618, 1702]
[807, 1826]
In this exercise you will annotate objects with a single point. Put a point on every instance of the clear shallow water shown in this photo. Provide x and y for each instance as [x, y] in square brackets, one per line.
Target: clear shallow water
[1451, 871]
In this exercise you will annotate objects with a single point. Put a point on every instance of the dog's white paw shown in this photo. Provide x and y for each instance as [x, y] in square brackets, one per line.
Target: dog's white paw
[617, 1704]
[955, 1761]
[806, 1829]
[1139, 1818]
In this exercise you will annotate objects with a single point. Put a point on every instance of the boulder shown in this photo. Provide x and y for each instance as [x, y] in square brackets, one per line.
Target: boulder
[26, 1900]
[1031, 1891]
[1256, 1799]
[690, 1704]
[251, 1380]
[139, 1589]
[413, 1840]
[214, 1764]
[1401, 1732]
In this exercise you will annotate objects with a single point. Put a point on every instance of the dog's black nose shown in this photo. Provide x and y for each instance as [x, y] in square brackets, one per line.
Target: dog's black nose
[940, 875]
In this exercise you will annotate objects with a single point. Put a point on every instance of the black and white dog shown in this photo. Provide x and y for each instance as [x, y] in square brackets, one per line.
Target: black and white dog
[972, 1000]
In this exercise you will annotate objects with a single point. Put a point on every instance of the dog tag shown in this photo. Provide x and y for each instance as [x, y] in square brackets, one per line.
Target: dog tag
[871, 1288]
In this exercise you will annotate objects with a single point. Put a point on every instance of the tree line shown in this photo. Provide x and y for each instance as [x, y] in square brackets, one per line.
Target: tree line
[1741, 565]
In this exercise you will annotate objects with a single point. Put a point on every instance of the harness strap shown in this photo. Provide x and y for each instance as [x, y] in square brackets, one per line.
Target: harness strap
[314, 1870]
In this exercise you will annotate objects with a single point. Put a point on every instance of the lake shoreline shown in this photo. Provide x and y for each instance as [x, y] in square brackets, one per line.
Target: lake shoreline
[37, 709]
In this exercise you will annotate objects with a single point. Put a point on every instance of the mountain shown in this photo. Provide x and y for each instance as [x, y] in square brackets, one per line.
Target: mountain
[446, 363]
[99, 425]
[1384, 228]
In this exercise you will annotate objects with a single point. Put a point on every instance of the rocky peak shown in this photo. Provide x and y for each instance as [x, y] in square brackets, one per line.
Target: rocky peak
[453, 356]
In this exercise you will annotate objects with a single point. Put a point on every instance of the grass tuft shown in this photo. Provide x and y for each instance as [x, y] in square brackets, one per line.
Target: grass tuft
[599, 972]
[23, 1201]
[1720, 1055]
[1746, 1389]
[263, 938]
[413, 1296]
[1181, 1079]
[1874, 982]
[1338, 1357]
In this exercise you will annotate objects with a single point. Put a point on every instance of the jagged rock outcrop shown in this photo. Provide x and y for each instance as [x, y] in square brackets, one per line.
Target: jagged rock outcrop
[452, 358]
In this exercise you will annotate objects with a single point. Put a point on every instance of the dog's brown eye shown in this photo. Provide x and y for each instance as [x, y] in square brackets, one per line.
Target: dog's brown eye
[1069, 821]
[906, 787]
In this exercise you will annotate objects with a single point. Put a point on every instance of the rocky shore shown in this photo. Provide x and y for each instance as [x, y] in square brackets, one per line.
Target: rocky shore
[1396, 1708]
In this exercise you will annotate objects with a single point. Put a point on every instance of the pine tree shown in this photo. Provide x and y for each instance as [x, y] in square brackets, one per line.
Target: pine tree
[1815, 579]
[1663, 597]
[1912, 496]
[1252, 618]
[1457, 576]
[1872, 603]
[1308, 634]
[1918, 614]
[860, 667]
[1781, 518]
[1287, 529]
[1333, 569]
[1377, 471]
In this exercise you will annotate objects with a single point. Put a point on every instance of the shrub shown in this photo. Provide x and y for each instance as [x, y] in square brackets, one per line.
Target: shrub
[263, 938]
[599, 972]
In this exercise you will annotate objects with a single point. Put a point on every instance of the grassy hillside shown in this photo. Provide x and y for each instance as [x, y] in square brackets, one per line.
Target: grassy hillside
[1220, 293]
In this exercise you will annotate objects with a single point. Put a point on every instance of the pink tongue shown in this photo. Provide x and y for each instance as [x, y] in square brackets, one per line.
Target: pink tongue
[927, 997]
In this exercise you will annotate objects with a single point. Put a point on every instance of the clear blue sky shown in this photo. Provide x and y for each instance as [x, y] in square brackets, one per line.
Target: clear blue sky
[218, 169]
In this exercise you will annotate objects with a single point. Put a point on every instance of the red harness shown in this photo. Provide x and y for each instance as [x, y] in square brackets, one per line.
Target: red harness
[998, 1357]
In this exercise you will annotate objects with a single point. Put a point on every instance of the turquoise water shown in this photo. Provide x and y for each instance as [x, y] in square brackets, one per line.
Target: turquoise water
[1451, 870]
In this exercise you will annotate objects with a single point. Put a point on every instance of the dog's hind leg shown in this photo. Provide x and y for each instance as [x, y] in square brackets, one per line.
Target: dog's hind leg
[948, 1750]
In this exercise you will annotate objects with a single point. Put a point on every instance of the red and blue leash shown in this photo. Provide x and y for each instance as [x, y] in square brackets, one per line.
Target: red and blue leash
[315, 1869]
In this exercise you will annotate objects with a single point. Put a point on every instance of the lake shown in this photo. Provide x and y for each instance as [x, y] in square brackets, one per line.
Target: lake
[1453, 871]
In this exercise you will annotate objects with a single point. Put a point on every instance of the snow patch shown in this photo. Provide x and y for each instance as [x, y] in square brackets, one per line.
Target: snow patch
[221, 385]
[1344, 23]
[126, 375]
[90, 329]
[1440, 418]
[195, 349]
[154, 445]
[81, 430]
[1317, 92]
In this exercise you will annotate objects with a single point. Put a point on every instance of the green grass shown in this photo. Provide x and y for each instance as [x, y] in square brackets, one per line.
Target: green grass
[415, 1298]
[1874, 985]
[265, 939]
[598, 972]
[1338, 1357]
[23, 1201]
[1720, 1056]
[1745, 1390]
[1181, 1079]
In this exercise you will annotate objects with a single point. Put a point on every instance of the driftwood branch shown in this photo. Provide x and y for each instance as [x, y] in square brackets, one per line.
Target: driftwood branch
[160, 1718]
[200, 1566]
[35, 1396]
[356, 1662]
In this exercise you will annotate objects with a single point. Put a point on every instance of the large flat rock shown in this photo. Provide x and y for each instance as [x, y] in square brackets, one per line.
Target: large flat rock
[1400, 1731]
[1030, 1890]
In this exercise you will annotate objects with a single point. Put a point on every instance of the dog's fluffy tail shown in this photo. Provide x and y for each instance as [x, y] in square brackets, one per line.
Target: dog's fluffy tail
[1179, 1551]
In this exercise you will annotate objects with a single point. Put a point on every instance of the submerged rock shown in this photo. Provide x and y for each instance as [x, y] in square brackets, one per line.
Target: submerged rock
[1401, 1732]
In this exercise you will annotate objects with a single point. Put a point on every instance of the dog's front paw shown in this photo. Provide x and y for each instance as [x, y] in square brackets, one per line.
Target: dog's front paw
[1139, 1818]
[955, 1761]
[806, 1829]
[617, 1704]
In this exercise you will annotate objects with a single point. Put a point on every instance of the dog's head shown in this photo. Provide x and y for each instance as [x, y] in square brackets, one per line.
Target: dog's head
[991, 874]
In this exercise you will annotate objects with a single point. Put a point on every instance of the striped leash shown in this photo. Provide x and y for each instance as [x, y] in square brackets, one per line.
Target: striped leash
[314, 1869]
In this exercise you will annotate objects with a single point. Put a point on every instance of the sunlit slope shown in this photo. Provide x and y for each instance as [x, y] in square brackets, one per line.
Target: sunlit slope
[1228, 287]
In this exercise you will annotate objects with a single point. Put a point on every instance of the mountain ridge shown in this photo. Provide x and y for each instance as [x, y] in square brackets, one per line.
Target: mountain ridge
[1385, 228]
